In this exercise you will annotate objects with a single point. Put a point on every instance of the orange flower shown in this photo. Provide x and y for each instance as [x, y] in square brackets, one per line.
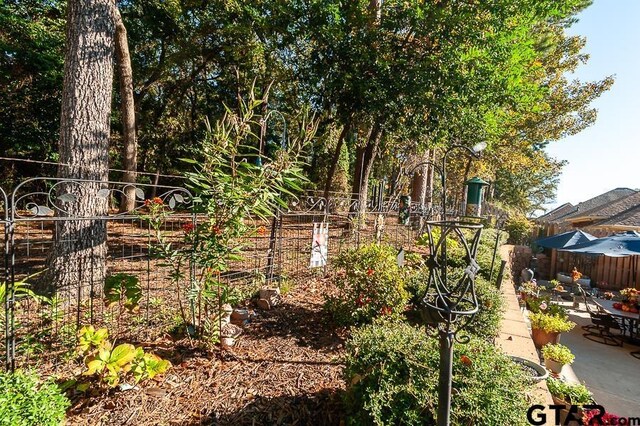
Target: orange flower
[262, 231]
[370, 272]
[158, 201]
[386, 310]
[466, 360]
[216, 230]
[147, 202]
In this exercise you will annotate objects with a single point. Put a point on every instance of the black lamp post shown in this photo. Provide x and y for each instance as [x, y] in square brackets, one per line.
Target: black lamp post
[449, 302]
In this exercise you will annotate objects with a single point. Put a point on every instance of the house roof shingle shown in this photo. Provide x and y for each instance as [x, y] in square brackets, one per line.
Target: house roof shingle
[557, 213]
[628, 218]
[614, 208]
[600, 201]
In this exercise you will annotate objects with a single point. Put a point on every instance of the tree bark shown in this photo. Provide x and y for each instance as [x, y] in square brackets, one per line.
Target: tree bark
[335, 159]
[365, 157]
[77, 259]
[127, 110]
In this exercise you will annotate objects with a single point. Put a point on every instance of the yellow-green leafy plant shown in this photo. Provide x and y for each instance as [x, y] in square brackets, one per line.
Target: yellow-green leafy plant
[557, 352]
[123, 288]
[550, 323]
[111, 363]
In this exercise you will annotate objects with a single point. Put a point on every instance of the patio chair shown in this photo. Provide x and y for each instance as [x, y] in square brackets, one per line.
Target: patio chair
[601, 324]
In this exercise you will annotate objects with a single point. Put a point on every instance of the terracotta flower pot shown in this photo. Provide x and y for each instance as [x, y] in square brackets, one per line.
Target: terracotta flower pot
[541, 337]
[553, 365]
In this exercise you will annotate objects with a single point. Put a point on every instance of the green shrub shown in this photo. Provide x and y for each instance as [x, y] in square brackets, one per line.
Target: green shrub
[573, 393]
[370, 284]
[559, 353]
[519, 229]
[392, 376]
[550, 323]
[486, 323]
[25, 400]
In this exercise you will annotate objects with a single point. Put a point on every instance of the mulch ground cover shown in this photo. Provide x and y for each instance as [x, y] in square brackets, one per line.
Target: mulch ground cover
[285, 369]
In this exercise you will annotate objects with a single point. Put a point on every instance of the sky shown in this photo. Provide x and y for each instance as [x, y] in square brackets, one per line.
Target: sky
[607, 154]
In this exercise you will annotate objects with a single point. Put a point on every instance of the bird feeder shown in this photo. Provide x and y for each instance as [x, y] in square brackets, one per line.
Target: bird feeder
[474, 196]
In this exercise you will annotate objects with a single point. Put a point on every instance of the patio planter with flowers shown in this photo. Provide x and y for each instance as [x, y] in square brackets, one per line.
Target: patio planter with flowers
[546, 328]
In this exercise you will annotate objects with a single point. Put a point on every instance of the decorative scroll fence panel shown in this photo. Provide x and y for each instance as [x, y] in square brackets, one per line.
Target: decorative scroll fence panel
[44, 329]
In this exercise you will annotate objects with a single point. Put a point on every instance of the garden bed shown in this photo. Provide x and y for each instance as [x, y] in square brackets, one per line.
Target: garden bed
[285, 369]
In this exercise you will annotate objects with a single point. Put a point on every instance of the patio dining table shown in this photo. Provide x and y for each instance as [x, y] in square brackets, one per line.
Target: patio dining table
[629, 319]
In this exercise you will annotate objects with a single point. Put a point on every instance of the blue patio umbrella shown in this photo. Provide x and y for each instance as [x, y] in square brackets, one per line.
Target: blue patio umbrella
[566, 239]
[616, 245]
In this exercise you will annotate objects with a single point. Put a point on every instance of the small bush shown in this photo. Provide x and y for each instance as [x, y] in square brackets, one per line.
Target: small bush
[370, 284]
[519, 229]
[26, 401]
[486, 323]
[392, 376]
[558, 353]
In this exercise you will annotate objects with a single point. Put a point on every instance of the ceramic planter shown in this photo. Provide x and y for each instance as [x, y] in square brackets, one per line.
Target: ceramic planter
[553, 365]
[541, 337]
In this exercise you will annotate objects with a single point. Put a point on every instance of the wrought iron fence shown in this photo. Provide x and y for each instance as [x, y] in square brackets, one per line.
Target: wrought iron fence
[41, 320]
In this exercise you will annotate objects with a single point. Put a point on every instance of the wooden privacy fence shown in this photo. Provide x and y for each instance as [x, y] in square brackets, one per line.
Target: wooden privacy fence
[606, 272]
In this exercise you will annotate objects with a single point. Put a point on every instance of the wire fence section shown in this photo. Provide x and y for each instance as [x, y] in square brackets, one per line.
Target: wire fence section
[114, 277]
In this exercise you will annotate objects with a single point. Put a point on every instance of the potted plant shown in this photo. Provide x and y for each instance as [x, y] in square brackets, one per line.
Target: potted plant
[568, 394]
[528, 290]
[546, 328]
[556, 356]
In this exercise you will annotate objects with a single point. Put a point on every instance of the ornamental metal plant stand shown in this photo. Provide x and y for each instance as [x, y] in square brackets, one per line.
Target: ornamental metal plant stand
[449, 302]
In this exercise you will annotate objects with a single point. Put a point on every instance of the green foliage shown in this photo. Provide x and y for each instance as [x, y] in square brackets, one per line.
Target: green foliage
[573, 393]
[544, 305]
[370, 284]
[25, 400]
[111, 364]
[123, 287]
[519, 229]
[558, 353]
[550, 323]
[392, 377]
[89, 338]
[487, 321]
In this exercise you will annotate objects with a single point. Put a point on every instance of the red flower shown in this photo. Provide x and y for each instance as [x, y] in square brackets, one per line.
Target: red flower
[158, 201]
[465, 360]
[262, 231]
[386, 310]
[216, 230]
[370, 272]
[147, 202]
[188, 227]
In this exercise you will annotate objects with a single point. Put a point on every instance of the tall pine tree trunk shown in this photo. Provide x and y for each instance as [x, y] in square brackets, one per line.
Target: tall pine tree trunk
[77, 260]
[127, 110]
[365, 158]
[335, 159]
